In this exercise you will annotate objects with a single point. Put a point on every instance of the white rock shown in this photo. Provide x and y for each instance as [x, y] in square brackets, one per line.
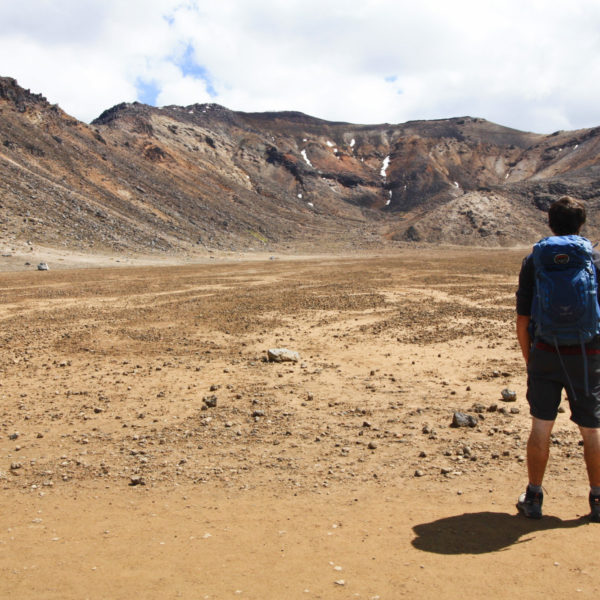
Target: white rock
[282, 355]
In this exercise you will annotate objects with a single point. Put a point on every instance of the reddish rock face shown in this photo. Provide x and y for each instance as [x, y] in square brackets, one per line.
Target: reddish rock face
[203, 177]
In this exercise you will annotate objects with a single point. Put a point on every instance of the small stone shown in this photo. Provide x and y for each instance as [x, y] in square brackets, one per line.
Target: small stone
[515, 410]
[258, 413]
[509, 395]
[460, 419]
[136, 480]
[372, 445]
[13, 436]
[210, 401]
[419, 473]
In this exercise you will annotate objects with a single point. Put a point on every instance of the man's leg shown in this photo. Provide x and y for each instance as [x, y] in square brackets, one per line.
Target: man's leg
[538, 449]
[591, 454]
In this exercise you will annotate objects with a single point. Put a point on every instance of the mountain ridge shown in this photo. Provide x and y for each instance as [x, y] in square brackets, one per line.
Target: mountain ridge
[142, 179]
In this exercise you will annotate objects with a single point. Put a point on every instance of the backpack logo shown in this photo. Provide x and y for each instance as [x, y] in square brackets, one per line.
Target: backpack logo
[561, 259]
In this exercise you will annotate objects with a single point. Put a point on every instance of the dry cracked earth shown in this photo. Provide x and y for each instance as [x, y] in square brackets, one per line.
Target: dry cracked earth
[148, 447]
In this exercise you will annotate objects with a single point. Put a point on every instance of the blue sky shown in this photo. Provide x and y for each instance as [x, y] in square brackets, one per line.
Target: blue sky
[529, 64]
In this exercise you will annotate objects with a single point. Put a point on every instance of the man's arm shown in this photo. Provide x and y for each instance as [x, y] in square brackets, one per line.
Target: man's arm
[523, 335]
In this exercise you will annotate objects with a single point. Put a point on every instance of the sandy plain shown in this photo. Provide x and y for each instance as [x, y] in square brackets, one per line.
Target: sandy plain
[338, 476]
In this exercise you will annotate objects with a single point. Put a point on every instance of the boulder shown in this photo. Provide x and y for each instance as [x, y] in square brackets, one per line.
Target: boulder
[282, 355]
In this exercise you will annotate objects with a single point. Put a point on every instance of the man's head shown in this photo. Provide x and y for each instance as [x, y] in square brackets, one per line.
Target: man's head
[566, 216]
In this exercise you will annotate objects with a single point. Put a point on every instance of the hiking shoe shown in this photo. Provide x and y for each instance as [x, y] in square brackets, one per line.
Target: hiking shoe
[595, 508]
[530, 504]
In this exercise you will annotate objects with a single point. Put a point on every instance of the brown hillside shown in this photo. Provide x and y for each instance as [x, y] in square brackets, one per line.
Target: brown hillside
[190, 179]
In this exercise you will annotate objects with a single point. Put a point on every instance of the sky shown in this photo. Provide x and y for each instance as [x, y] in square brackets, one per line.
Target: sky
[529, 64]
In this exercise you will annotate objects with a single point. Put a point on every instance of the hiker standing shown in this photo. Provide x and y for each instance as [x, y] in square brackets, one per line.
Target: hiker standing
[558, 327]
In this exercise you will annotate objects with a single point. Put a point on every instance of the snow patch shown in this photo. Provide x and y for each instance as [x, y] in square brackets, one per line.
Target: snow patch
[576, 146]
[390, 199]
[306, 158]
[330, 144]
[456, 184]
[386, 164]
[352, 143]
[300, 196]
[310, 203]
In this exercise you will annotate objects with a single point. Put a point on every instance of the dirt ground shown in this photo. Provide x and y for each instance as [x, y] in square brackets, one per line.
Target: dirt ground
[337, 476]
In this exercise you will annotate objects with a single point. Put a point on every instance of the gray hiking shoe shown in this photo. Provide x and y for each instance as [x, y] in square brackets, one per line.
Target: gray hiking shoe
[595, 508]
[530, 504]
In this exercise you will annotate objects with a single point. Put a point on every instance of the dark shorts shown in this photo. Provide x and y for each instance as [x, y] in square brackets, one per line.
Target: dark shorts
[546, 379]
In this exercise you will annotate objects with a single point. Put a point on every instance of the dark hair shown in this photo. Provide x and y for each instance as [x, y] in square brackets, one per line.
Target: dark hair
[566, 216]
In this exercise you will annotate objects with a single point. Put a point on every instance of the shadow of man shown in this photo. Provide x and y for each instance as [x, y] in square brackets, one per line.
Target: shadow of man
[478, 533]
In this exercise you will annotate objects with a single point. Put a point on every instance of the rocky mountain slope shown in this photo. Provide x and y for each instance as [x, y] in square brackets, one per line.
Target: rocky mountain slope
[190, 179]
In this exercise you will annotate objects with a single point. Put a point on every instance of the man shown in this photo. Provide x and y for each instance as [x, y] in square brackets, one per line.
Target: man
[553, 367]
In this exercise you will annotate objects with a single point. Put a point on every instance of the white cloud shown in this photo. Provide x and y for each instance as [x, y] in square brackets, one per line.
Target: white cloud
[524, 63]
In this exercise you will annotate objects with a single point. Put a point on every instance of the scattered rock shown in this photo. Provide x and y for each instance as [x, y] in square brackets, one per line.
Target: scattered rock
[460, 419]
[210, 401]
[136, 480]
[43, 267]
[282, 355]
[509, 395]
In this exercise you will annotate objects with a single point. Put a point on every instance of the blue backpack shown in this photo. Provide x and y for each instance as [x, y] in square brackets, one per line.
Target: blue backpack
[565, 307]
